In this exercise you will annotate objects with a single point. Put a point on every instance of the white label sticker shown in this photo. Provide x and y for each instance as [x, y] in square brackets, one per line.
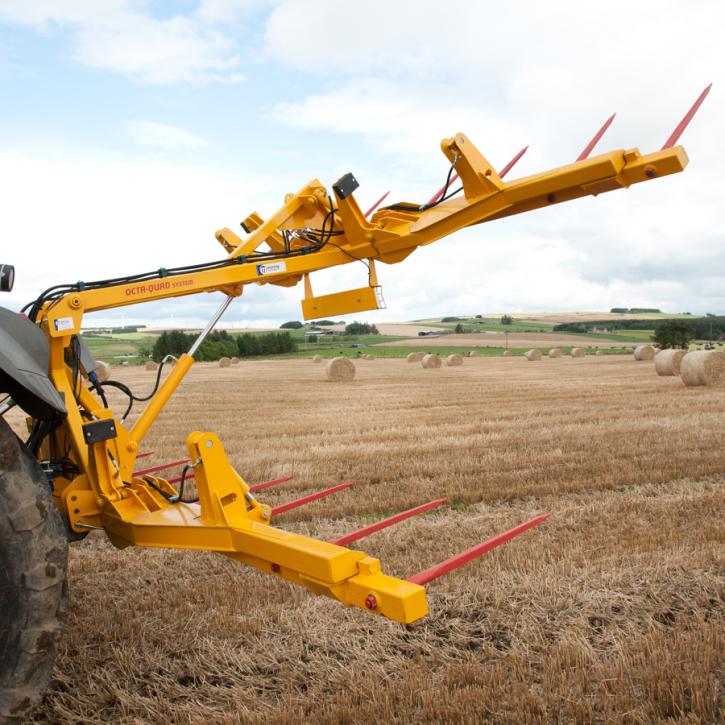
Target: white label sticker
[63, 323]
[273, 268]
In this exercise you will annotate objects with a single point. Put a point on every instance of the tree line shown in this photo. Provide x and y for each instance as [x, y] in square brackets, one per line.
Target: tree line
[700, 328]
[221, 344]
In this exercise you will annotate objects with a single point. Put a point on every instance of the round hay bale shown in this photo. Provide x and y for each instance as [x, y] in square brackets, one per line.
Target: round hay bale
[340, 370]
[533, 355]
[415, 356]
[235, 361]
[578, 351]
[151, 365]
[703, 367]
[644, 352]
[668, 362]
[225, 362]
[474, 353]
[507, 353]
[454, 360]
[555, 352]
[431, 361]
[317, 359]
[124, 363]
[102, 370]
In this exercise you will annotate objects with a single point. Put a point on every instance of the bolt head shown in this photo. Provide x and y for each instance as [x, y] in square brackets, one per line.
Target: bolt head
[371, 602]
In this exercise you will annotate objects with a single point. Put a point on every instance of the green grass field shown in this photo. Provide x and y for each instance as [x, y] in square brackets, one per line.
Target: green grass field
[108, 347]
[136, 346]
[492, 325]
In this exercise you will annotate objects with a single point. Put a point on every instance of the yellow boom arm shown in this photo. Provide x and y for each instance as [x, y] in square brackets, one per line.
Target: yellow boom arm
[312, 230]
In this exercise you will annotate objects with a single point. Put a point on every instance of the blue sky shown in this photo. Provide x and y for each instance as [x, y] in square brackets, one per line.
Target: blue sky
[131, 130]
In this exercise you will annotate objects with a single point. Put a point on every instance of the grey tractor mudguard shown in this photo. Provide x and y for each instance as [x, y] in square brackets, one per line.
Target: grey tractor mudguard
[24, 360]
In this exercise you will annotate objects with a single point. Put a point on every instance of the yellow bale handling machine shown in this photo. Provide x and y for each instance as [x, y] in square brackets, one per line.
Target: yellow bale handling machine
[77, 469]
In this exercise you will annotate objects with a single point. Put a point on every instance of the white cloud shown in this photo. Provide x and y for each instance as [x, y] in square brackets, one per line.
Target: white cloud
[102, 219]
[122, 36]
[392, 79]
[96, 219]
[229, 11]
[546, 75]
[163, 135]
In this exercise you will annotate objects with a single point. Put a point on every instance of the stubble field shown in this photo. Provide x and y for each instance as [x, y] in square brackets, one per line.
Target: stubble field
[610, 610]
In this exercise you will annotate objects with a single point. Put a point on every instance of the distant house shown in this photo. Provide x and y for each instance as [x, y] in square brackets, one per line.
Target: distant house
[598, 330]
[319, 333]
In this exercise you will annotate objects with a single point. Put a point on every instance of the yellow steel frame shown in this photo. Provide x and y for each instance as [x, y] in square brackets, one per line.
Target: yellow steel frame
[228, 519]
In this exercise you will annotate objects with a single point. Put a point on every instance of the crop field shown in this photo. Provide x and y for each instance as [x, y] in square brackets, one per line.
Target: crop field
[514, 339]
[611, 610]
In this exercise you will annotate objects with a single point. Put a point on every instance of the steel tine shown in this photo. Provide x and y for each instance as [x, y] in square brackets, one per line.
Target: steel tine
[441, 191]
[307, 499]
[596, 139]
[269, 484]
[428, 575]
[502, 173]
[513, 162]
[176, 479]
[384, 523]
[145, 454]
[376, 204]
[685, 122]
[152, 469]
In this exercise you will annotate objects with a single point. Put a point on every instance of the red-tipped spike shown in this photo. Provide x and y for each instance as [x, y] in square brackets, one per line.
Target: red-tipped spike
[428, 575]
[173, 464]
[307, 499]
[595, 140]
[683, 124]
[502, 173]
[376, 204]
[441, 191]
[512, 163]
[269, 484]
[384, 523]
[252, 489]
[145, 454]
[176, 479]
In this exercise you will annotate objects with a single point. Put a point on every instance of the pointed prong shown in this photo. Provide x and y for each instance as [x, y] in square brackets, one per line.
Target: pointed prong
[252, 489]
[269, 484]
[384, 523]
[501, 174]
[145, 454]
[153, 469]
[176, 479]
[596, 139]
[307, 499]
[376, 204]
[512, 163]
[441, 191]
[684, 123]
[428, 575]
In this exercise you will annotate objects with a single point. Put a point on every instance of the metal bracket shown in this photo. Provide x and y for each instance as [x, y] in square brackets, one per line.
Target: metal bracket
[99, 430]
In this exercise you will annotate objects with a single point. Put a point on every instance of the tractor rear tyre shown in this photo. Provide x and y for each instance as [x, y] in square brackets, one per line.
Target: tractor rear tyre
[33, 564]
